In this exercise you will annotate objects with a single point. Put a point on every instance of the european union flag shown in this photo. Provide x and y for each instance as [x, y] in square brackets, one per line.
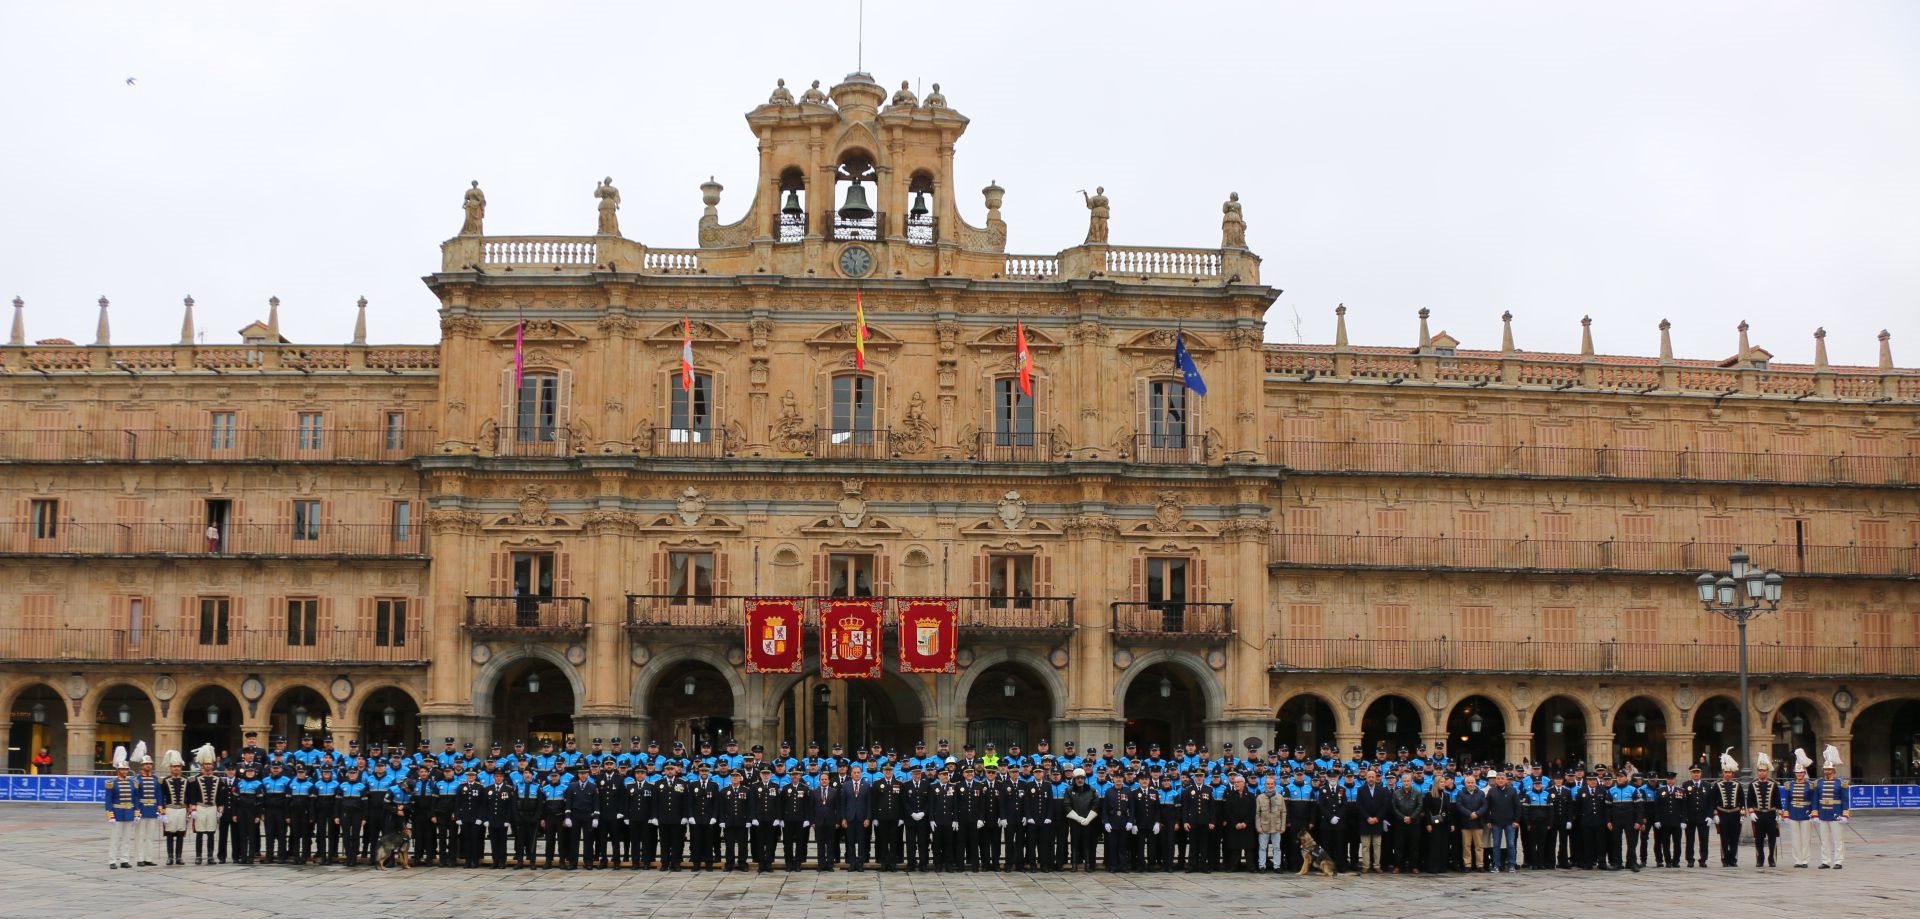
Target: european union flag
[1188, 369]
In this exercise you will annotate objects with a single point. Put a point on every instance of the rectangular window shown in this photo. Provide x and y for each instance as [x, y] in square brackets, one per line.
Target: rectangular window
[537, 411]
[1476, 623]
[1636, 542]
[853, 409]
[690, 577]
[215, 620]
[850, 575]
[1306, 620]
[390, 622]
[1167, 586]
[1010, 581]
[306, 520]
[221, 427]
[402, 520]
[533, 574]
[1476, 543]
[1167, 414]
[311, 426]
[46, 518]
[303, 622]
[1874, 556]
[690, 418]
[1012, 414]
[136, 620]
[1390, 633]
[1556, 624]
[396, 431]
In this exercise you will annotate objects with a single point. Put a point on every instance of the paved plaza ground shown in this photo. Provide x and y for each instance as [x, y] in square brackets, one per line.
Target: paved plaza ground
[52, 864]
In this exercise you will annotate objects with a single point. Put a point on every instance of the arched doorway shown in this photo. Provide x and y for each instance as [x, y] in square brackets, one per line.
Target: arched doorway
[1304, 723]
[884, 711]
[1795, 726]
[1392, 722]
[1007, 704]
[1164, 705]
[1886, 744]
[1559, 734]
[691, 702]
[37, 720]
[211, 716]
[1640, 735]
[390, 718]
[533, 701]
[1716, 727]
[1477, 731]
[124, 716]
[299, 710]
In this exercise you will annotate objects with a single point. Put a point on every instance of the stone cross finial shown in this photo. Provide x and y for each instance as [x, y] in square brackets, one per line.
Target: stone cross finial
[19, 338]
[1586, 336]
[1886, 350]
[1820, 348]
[1666, 342]
[186, 321]
[1340, 326]
[1744, 347]
[1426, 341]
[1506, 332]
[360, 323]
[273, 320]
[102, 337]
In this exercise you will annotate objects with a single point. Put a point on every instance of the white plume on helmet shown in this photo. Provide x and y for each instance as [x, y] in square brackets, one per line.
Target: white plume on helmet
[1830, 757]
[1801, 760]
[120, 756]
[140, 753]
[173, 759]
[1762, 761]
[204, 754]
[1727, 762]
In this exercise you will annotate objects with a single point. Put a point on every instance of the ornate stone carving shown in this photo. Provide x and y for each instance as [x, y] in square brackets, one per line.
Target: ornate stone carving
[790, 432]
[1522, 697]
[1013, 510]
[915, 432]
[814, 96]
[617, 324]
[474, 203]
[852, 508]
[579, 434]
[936, 99]
[609, 206]
[611, 522]
[465, 324]
[533, 508]
[781, 94]
[1216, 445]
[1089, 333]
[1251, 526]
[1167, 513]
[1437, 696]
[450, 520]
[1684, 698]
[690, 506]
[905, 96]
[1233, 227]
[1245, 338]
[1090, 525]
[1097, 212]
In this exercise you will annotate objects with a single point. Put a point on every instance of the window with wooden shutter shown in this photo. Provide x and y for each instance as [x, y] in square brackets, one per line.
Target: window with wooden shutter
[1793, 460]
[980, 575]
[1306, 620]
[1635, 551]
[822, 568]
[1553, 456]
[1010, 581]
[1639, 632]
[1043, 575]
[391, 623]
[1391, 633]
[1556, 551]
[1476, 637]
[214, 625]
[657, 574]
[44, 519]
[1632, 455]
[722, 576]
[1470, 453]
[690, 577]
[1876, 640]
[302, 626]
[1874, 555]
[1557, 625]
[1389, 545]
[850, 574]
[1387, 437]
[1476, 544]
[1302, 539]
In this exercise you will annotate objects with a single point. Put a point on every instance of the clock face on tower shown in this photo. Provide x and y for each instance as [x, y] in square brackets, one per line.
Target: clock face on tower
[855, 261]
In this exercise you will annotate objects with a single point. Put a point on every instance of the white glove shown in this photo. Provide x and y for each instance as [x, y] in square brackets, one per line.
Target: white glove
[1030, 821]
[934, 825]
[653, 821]
[1843, 818]
[899, 823]
[1156, 829]
[1108, 826]
[805, 823]
[1132, 829]
[687, 821]
[1569, 824]
[596, 823]
[779, 823]
[567, 823]
[620, 817]
[918, 815]
[1048, 821]
[956, 826]
[1656, 824]
[1336, 821]
[712, 821]
[979, 824]
[459, 823]
[1003, 824]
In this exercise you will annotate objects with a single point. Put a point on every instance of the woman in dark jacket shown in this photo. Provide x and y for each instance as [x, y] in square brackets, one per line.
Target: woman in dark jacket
[1436, 813]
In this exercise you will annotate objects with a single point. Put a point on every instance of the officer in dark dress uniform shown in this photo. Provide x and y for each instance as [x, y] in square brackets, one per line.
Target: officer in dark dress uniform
[1699, 815]
[1763, 797]
[1729, 809]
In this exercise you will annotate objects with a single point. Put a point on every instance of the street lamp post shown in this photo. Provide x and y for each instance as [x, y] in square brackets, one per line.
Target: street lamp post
[1741, 595]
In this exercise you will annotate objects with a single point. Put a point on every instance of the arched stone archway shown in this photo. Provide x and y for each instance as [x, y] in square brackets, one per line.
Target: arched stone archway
[298, 710]
[690, 700]
[1886, 743]
[37, 720]
[1640, 735]
[1477, 731]
[742, 708]
[123, 715]
[1716, 726]
[1796, 724]
[1392, 722]
[1168, 697]
[533, 696]
[211, 715]
[1560, 726]
[1007, 703]
[1304, 722]
[390, 717]
[848, 711]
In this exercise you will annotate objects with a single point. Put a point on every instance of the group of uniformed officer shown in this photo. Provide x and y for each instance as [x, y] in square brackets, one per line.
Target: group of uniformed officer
[945, 811]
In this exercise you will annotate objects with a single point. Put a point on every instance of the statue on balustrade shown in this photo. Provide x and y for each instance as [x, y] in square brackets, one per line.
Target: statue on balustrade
[813, 95]
[476, 208]
[1233, 227]
[781, 94]
[1097, 215]
[609, 207]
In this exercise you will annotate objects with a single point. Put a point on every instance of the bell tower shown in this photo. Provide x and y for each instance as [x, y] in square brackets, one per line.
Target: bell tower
[857, 183]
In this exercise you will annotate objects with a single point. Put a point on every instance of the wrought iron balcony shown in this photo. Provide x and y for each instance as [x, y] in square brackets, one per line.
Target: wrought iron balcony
[852, 443]
[690, 443]
[237, 540]
[1165, 620]
[510, 617]
[1348, 655]
[1016, 617]
[712, 613]
[1006, 617]
[542, 440]
[1313, 550]
[212, 645]
[1170, 449]
[230, 445]
[1013, 447]
[858, 228]
[923, 230]
[1595, 463]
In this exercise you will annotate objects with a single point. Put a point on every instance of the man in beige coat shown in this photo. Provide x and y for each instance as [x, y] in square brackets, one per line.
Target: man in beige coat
[1270, 821]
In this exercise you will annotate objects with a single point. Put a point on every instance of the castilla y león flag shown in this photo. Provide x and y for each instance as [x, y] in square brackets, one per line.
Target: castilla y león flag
[850, 640]
[773, 636]
[927, 628]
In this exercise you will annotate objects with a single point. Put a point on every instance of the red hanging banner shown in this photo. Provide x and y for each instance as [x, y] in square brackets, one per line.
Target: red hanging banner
[850, 640]
[773, 635]
[927, 635]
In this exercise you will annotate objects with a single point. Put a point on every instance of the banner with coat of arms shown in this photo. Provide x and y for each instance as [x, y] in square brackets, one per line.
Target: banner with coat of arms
[773, 635]
[927, 635]
[850, 640]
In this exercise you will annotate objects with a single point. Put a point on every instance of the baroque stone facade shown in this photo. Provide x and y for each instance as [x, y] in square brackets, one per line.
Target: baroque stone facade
[1352, 545]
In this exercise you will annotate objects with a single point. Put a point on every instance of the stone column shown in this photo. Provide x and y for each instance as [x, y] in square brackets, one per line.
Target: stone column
[1599, 745]
[1519, 746]
[80, 735]
[346, 732]
[167, 735]
[1680, 751]
[1345, 740]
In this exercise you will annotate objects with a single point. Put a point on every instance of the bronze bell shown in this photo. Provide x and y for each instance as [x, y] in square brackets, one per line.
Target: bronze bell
[919, 208]
[793, 204]
[856, 207]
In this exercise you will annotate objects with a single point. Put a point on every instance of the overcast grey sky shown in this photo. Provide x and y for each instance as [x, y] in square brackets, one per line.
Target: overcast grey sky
[1701, 161]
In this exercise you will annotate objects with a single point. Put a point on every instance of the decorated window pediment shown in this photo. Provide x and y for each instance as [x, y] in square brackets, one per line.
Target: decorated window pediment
[840, 335]
[704, 333]
[1162, 340]
[1007, 336]
[540, 330]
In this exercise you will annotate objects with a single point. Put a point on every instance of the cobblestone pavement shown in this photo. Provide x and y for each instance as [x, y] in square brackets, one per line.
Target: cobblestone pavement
[52, 864]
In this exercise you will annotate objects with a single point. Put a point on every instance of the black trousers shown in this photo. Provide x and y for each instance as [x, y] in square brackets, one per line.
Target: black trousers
[1729, 837]
[1666, 844]
[1696, 830]
[497, 834]
[737, 845]
[859, 842]
[823, 846]
[1538, 827]
[1766, 836]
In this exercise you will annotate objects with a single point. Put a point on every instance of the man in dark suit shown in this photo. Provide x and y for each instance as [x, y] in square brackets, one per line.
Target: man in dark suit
[828, 809]
[856, 817]
[1236, 815]
[1371, 800]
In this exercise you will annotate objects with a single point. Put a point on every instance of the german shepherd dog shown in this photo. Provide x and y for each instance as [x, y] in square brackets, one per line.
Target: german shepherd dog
[1315, 858]
[394, 844]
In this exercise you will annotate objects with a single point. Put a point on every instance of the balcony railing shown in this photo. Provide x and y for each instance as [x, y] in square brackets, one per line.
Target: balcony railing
[1172, 619]
[1170, 449]
[1601, 462]
[682, 613]
[923, 230]
[240, 540]
[1015, 617]
[685, 443]
[1003, 616]
[232, 445]
[508, 617]
[862, 228]
[538, 441]
[1313, 550]
[852, 443]
[1013, 447]
[1585, 657]
[212, 645]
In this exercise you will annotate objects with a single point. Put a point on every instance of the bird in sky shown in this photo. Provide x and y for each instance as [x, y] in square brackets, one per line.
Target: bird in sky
[130, 81]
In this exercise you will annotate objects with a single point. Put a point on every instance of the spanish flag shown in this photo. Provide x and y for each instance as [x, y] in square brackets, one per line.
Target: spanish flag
[859, 332]
[686, 353]
[1023, 359]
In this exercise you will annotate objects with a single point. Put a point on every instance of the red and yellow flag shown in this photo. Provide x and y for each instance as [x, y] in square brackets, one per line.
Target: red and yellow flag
[686, 353]
[859, 332]
[1023, 359]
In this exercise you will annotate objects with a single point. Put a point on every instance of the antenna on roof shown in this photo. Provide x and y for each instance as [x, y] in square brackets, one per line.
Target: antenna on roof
[860, 40]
